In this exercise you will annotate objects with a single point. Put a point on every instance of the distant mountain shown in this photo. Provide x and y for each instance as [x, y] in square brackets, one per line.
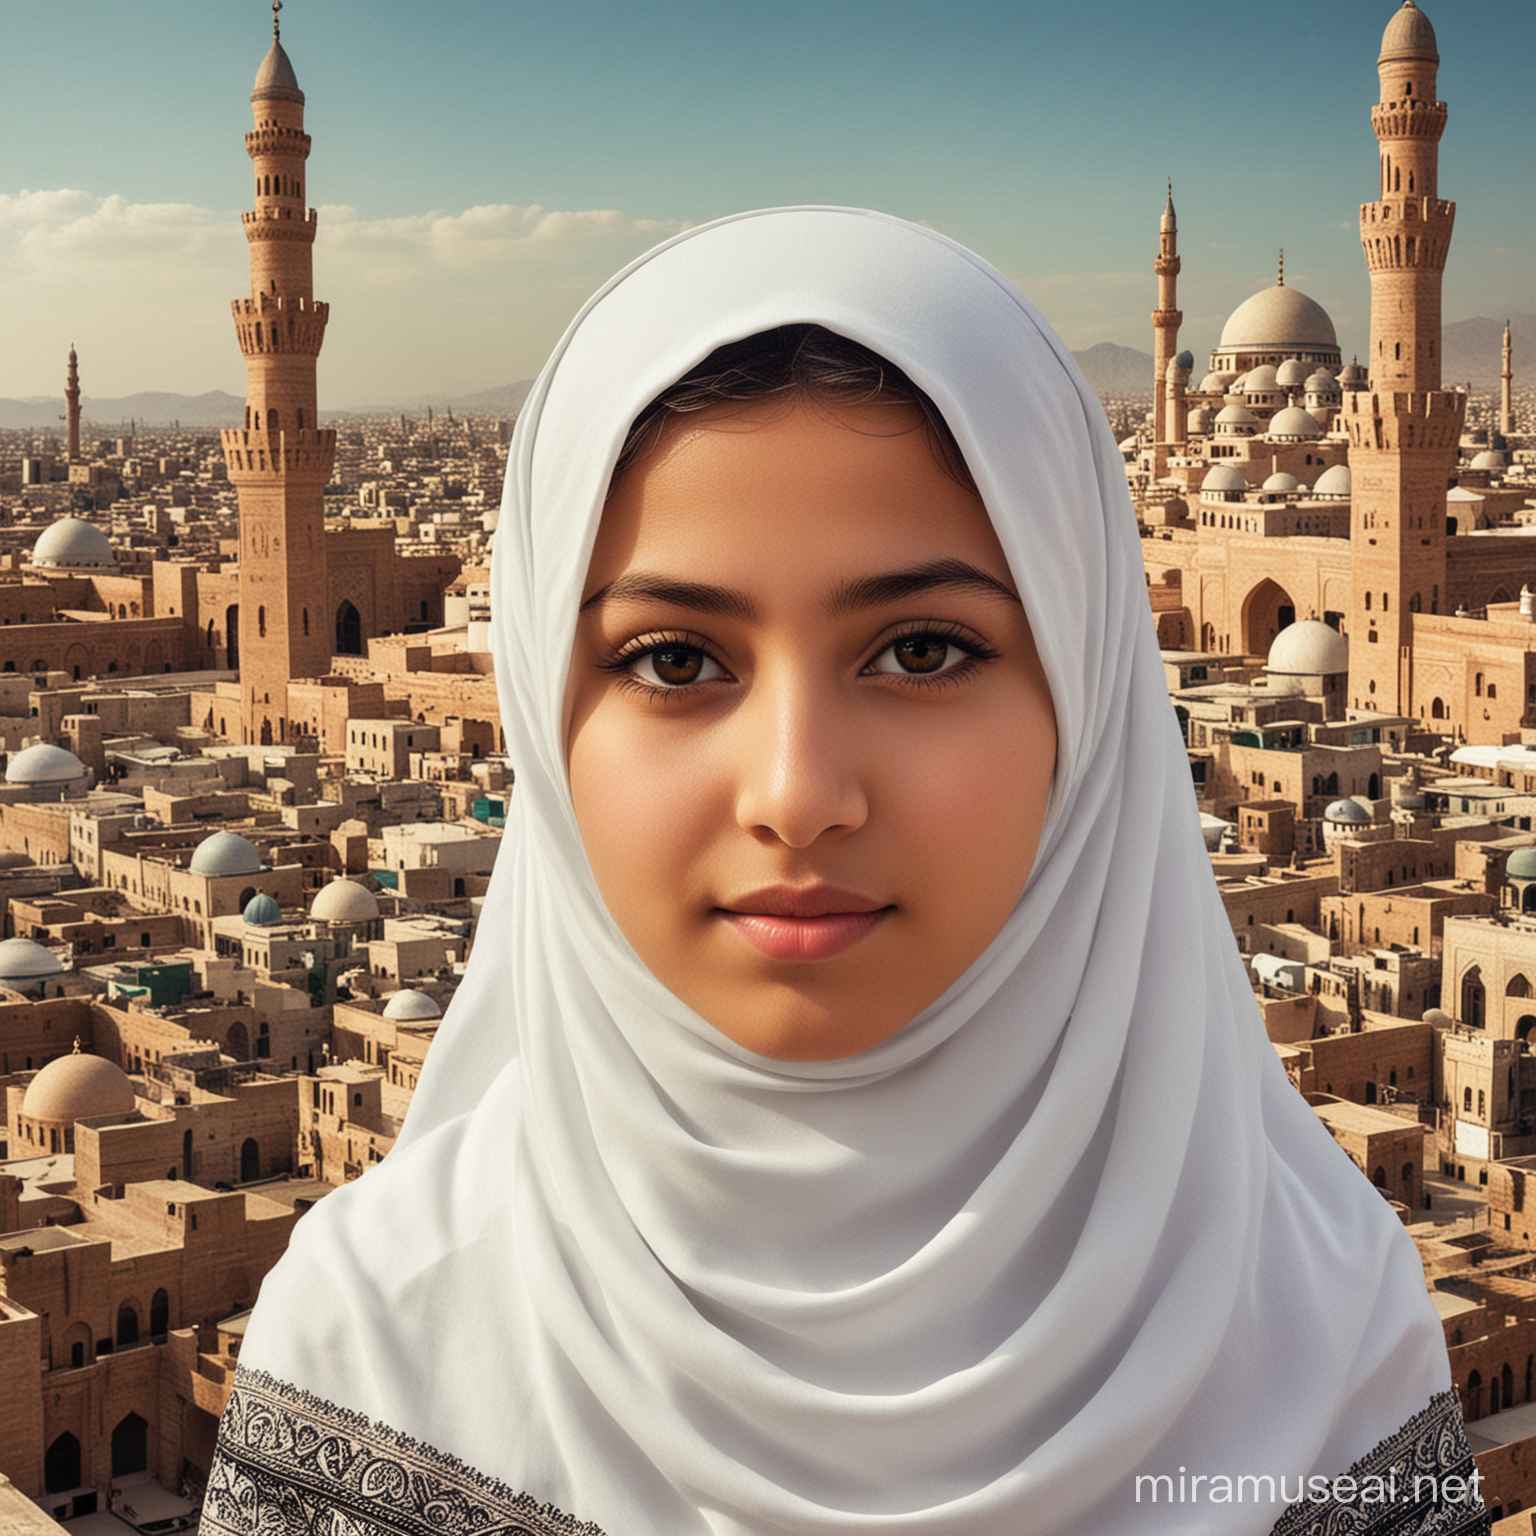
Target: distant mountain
[1112, 370]
[1473, 349]
[151, 409]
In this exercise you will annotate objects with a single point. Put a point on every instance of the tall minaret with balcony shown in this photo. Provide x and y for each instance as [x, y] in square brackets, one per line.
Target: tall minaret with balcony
[280, 461]
[1166, 319]
[72, 400]
[1507, 386]
[1403, 429]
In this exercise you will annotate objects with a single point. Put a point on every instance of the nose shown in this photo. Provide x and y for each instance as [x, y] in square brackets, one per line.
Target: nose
[799, 763]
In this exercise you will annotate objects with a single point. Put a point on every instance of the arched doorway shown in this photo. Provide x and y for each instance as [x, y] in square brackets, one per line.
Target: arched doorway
[61, 1465]
[250, 1160]
[127, 1325]
[159, 1315]
[349, 631]
[130, 1446]
[238, 1042]
[1472, 999]
[1268, 609]
[232, 636]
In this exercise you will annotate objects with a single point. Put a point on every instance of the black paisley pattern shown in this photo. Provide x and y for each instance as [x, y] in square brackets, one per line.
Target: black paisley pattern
[1428, 1449]
[291, 1464]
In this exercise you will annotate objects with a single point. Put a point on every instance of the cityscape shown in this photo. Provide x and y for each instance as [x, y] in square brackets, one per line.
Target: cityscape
[254, 784]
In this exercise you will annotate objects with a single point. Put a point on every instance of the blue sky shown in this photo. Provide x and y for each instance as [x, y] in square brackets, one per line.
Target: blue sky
[481, 165]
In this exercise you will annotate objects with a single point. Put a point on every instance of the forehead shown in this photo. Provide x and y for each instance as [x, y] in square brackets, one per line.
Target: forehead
[792, 485]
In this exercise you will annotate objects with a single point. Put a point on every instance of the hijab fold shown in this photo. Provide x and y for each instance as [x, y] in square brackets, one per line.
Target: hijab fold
[1071, 1225]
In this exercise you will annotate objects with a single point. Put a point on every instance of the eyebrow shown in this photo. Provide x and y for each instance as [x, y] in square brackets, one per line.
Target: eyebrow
[847, 597]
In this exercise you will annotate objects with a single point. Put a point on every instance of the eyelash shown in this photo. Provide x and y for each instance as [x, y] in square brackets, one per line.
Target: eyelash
[621, 663]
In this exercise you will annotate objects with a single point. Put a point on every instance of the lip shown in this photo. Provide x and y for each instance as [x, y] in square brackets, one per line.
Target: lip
[816, 922]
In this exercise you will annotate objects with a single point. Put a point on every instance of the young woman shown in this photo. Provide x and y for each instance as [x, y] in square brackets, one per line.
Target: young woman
[855, 1117]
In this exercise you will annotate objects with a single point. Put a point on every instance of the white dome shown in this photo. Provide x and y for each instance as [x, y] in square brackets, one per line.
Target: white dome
[1215, 383]
[1322, 383]
[1489, 458]
[1334, 481]
[76, 1087]
[1291, 372]
[1262, 380]
[74, 544]
[44, 763]
[411, 1005]
[1281, 481]
[1199, 419]
[26, 960]
[1278, 319]
[1236, 416]
[344, 901]
[1294, 422]
[225, 853]
[1223, 477]
[1347, 811]
[1309, 648]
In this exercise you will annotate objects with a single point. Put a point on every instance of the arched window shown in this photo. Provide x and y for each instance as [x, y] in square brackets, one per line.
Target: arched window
[1472, 998]
[1466, 1101]
[261, 621]
[250, 1160]
[127, 1325]
[159, 1315]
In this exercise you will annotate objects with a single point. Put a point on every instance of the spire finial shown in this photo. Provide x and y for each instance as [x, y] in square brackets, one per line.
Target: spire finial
[277, 5]
[76, 1050]
[1280, 280]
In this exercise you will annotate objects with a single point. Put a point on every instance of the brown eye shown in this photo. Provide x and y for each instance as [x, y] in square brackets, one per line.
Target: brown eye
[675, 666]
[920, 653]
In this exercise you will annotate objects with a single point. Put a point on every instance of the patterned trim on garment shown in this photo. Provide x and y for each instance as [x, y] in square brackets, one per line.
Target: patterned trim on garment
[291, 1464]
[1431, 1446]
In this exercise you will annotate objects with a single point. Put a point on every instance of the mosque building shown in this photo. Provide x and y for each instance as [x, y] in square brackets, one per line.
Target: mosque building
[1289, 485]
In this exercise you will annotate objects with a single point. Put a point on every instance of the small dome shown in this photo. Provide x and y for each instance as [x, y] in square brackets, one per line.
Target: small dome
[1263, 380]
[1278, 319]
[1353, 376]
[1223, 477]
[1521, 865]
[1292, 373]
[77, 1087]
[1309, 648]
[1236, 416]
[1321, 383]
[225, 853]
[1409, 35]
[261, 911]
[1280, 481]
[26, 960]
[1334, 481]
[44, 763]
[73, 544]
[1293, 422]
[411, 1005]
[1216, 383]
[1347, 811]
[344, 901]
[1200, 419]
[1185, 359]
[276, 78]
[1489, 458]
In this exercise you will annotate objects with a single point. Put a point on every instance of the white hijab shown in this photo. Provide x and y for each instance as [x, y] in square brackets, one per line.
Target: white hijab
[1070, 1225]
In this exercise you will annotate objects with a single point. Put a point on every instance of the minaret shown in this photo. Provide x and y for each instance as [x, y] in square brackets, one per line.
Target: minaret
[1165, 321]
[280, 461]
[1506, 387]
[72, 398]
[1403, 428]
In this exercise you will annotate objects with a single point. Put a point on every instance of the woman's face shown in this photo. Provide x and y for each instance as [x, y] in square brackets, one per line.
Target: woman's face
[810, 739]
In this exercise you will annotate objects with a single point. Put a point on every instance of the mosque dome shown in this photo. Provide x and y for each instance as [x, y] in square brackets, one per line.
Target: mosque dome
[72, 544]
[1199, 419]
[276, 78]
[1353, 376]
[1409, 35]
[76, 1087]
[1236, 416]
[1263, 380]
[25, 960]
[261, 911]
[1321, 383]
[411, 1005]
[44, 763]
[225, 853]
[1223, 477]
[1278, 319]
[1334, 481]
[1293, 422]
[1215, 383]
[1489, 458]
[1521, 865]
[1309, 648]
[1347, 812]
[1292, 373]
[1185, 359]
[344, 901]
[1281, 481]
